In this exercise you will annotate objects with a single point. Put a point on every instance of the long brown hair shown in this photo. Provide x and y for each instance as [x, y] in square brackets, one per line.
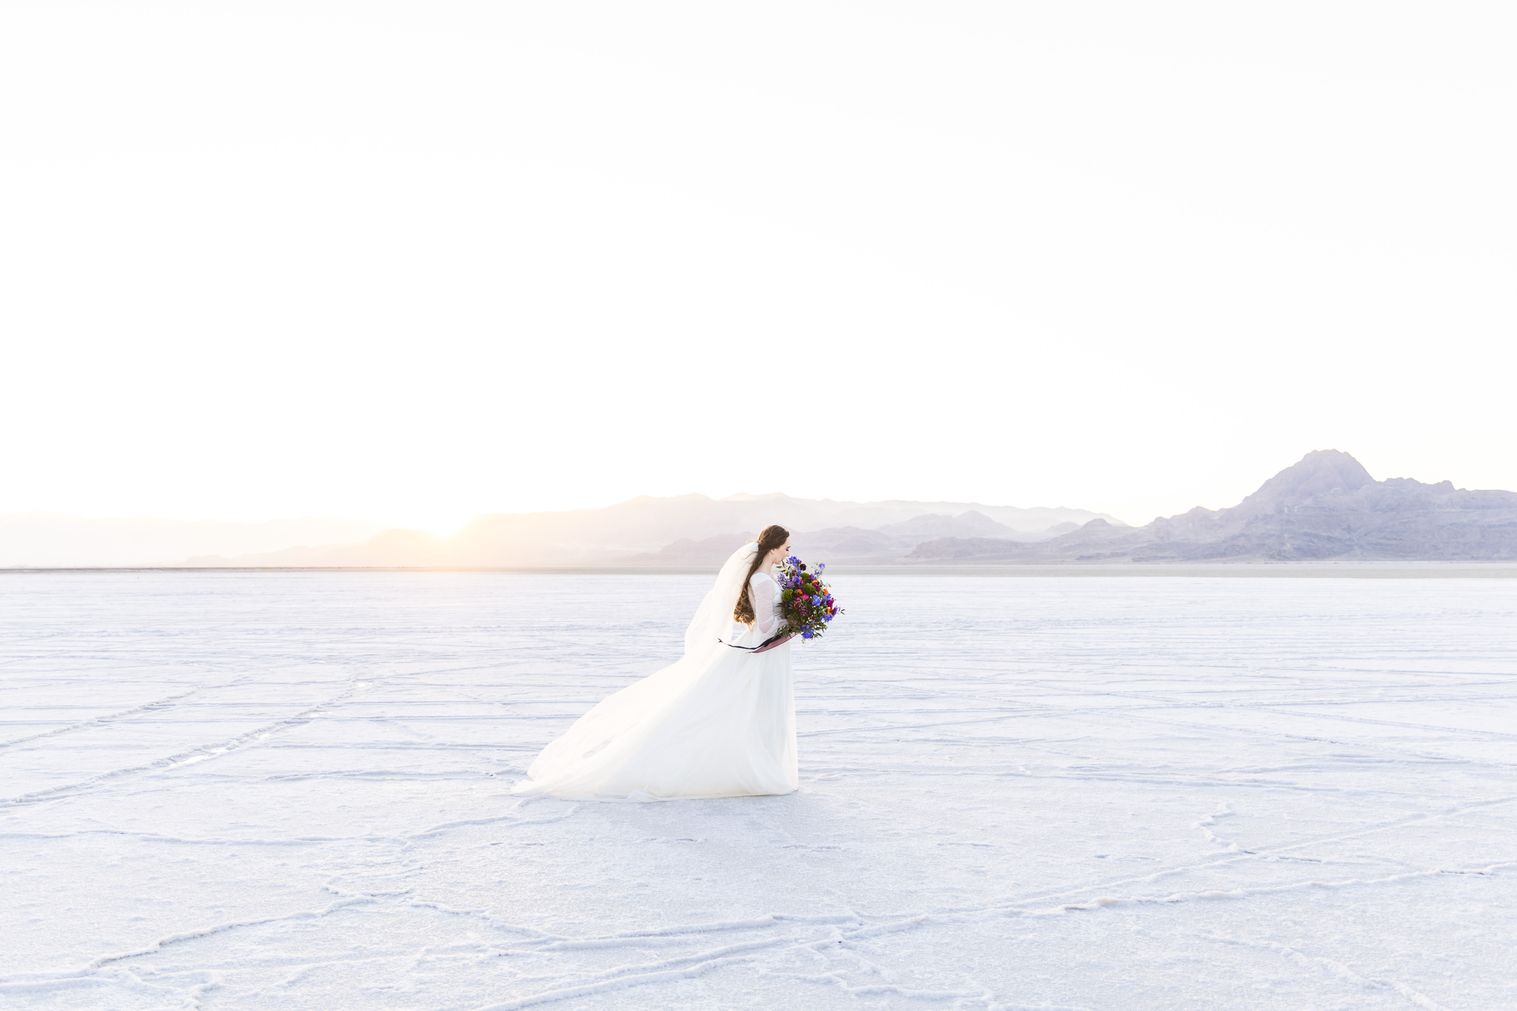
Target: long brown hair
[769, 538]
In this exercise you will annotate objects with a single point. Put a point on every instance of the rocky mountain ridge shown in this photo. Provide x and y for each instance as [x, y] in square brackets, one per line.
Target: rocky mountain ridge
[1325, 506]
[687, 531]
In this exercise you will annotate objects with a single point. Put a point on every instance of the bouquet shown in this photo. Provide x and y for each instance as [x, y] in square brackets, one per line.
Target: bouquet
[805, 601]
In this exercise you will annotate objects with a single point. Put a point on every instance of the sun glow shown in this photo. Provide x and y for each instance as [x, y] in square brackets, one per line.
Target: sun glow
[515, 277]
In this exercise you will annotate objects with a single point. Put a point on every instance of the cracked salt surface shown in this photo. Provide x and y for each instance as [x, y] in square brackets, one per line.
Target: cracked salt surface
[289, 790]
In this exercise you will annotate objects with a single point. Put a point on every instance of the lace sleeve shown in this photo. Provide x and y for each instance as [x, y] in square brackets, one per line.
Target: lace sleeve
[765, 593]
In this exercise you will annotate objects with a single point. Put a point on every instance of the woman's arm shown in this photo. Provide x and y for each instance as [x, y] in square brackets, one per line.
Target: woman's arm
[768, 646]
[765, 594]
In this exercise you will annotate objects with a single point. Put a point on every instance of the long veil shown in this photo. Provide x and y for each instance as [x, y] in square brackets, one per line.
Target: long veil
[714, 616]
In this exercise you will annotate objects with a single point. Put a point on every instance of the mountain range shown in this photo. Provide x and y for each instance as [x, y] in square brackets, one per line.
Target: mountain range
[1324, 506]
[685, 531]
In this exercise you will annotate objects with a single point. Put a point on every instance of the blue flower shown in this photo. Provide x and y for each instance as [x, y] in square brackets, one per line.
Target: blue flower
[806, 633]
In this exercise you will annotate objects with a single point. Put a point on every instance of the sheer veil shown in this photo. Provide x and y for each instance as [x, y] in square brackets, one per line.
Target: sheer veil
[714, 616]
[717, 722]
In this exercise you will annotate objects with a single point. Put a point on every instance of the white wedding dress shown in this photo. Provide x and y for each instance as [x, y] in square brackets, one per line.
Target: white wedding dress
[718, 722]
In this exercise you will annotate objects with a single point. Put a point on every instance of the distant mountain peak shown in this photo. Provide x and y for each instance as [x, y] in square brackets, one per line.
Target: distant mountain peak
[1324, 506]
[1318, 473]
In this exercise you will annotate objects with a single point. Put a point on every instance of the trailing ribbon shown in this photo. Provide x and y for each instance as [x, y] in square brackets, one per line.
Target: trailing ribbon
[754, 649]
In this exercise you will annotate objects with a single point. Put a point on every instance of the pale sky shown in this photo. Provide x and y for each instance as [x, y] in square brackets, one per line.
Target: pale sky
[419, 261]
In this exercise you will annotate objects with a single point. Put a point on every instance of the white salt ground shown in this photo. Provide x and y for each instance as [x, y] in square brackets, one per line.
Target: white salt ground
[265, 790]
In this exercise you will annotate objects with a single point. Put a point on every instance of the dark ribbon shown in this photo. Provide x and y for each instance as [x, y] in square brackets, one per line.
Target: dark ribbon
[772, 638]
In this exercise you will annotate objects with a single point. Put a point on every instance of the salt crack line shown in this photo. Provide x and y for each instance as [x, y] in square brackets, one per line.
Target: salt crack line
[680, 932]
[683, 967]
[1333, 966]
[449, 826]
[484, 916]
[1399, 724]
[913, 922]
[22, 980]
[909, 993]
[565, 993]
[886, 986]
[1107, 902]
[1266, 853]
[221, 928]
[198, 754]
[1224, 810]
[108, 718]
[223, 841]
[401, 839]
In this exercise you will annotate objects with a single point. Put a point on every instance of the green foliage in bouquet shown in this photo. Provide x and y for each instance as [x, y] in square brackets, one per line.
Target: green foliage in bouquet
[805, 600]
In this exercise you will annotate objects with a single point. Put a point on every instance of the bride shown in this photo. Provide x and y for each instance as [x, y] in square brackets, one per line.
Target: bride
[718, 722]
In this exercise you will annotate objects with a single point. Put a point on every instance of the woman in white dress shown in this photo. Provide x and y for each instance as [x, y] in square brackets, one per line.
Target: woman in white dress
[719, 722]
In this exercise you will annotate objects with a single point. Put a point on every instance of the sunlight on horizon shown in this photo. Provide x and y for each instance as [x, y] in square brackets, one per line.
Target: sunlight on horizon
[457, 260]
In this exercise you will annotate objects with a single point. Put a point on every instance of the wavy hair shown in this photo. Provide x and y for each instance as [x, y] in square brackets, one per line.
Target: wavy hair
[768, 539]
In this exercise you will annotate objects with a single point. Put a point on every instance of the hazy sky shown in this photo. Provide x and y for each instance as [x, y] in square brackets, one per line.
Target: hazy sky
[414, 262]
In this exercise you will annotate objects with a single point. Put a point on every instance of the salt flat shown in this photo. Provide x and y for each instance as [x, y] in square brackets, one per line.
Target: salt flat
[266, 790]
